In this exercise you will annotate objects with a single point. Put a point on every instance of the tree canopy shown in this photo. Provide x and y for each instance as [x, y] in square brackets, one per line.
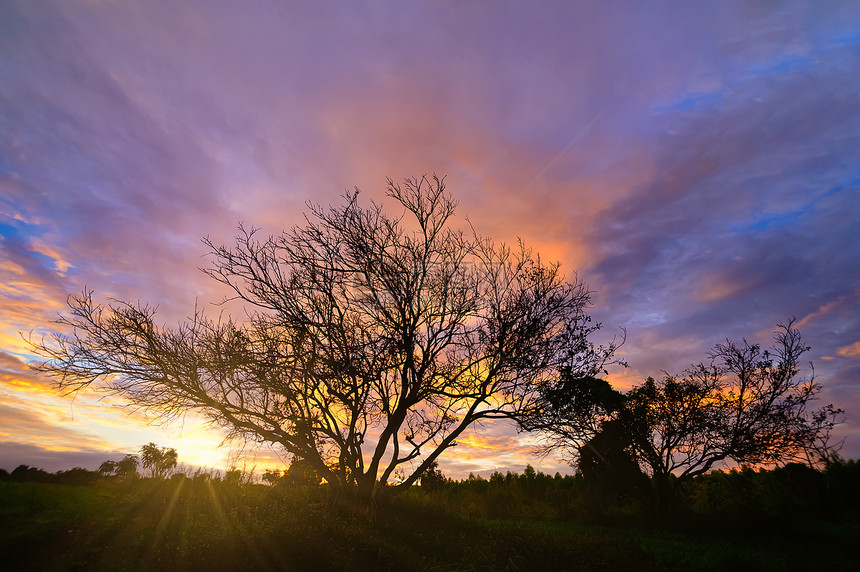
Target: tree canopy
[124, 468]
[372, 341]
[160, 461]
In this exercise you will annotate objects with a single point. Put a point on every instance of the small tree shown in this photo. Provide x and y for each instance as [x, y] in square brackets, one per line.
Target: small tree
[609, 465]
[373, 342]
[159, 460]
[301, 473]
[747, 405]
[234, 477]
[125, 468]
[432, 478]
[108, 468]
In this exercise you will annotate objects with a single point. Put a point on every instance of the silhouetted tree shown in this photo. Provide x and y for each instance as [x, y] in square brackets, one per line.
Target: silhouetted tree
[574, 409]
[127, 467]
[25, 473]
[300, 473]
[108, 468]
[529, 473]
[432, 478]
[609, 464]
[76, 476]
[373, 341]
[233, 477]
[159, 460]
[747, 405]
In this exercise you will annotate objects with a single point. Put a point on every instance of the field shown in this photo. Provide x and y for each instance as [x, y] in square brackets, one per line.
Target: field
[519, 523]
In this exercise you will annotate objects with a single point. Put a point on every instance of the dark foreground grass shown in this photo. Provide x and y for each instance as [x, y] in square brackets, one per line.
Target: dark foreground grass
[203, 525]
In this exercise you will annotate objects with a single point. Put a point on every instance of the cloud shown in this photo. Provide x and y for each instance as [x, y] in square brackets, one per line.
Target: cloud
[26, 425]
[494, 446]
[851, 351]
[746, 212]
[14, 372]
[14, 454]
[841, 304]
[697, 167]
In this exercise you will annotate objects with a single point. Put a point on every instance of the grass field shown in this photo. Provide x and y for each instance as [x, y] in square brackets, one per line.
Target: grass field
[187, 524]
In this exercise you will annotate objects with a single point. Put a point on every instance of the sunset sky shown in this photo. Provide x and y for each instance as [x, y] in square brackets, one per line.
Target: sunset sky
[696, 163]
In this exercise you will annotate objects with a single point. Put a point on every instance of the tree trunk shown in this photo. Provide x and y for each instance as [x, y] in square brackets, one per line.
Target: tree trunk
[664, 496]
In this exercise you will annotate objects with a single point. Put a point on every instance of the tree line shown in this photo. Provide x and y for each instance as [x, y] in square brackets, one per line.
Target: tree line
[373, 341]
[156, 462]
[735, 499]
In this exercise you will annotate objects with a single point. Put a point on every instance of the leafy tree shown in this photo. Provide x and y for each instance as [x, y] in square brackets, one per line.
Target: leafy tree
[372, 341]
[76, 476]
[25, 473]
[432, 478]
[302, 472]
[529, 473]
[608, 463]
[574, 410]
[746, 405]
[127, 467]
[159, 460]
[108, 468]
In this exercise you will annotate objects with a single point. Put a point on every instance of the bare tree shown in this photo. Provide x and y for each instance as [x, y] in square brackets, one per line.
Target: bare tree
[746, 405]
[372, 341]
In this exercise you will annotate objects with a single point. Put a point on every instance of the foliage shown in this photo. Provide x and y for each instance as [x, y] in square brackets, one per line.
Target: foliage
[432, 478]
[233, 477]
[123, 469]
[301, 473]
[608, 462]
[574, 410]
[26, 473]
[127, 467]
[372, 341]
[159, 460]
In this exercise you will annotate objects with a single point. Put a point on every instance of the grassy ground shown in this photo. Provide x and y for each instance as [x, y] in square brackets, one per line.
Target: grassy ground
[187, 525]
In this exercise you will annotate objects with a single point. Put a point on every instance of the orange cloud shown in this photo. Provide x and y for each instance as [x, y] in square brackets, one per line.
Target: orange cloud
[851, 351]
[829, 307]
[15, 373]
[45, 249]
[715, 288]
[29, 425]
[625, 379]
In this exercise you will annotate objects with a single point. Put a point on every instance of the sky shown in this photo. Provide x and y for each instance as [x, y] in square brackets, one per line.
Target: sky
[697, 164]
